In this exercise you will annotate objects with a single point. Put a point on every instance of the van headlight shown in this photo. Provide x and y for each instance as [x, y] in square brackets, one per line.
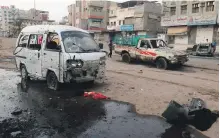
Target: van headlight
[102, 60]
[75, 63]
[172, 58]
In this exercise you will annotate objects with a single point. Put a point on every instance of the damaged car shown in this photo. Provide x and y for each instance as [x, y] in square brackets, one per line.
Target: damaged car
[59, 54]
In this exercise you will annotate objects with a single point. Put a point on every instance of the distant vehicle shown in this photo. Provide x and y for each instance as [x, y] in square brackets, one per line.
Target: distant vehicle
[58, 54]
[203, 49]
[151, 49]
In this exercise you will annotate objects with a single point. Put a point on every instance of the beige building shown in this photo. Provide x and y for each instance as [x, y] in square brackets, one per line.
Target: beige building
[11, 18]
[89, 15]
[191, 22]
[135, 17]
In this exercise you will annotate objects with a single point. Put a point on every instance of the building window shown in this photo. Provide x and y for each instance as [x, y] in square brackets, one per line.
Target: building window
[77, 3]
[210, 6]
[183, 9]
[183, 2]
[112, 11]
[123, 21]
[195, 8]
[172, 10]
[119, 22]
[114, 23]
[107, 23]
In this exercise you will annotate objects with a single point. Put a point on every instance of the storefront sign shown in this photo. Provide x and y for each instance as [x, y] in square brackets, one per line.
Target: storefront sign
[174, 21]
[202, 20]
[126, 27]
[4, 7]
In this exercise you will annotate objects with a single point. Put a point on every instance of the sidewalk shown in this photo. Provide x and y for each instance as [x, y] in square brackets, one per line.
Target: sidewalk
[203, 63]
[185, 46]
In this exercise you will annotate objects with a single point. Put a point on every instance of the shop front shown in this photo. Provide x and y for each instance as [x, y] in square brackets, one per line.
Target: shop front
[178, 35]
[205, 27]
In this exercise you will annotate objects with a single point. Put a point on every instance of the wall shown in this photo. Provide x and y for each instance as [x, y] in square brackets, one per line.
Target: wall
[203, 33]
[152, 7]
[152, 13]
[182, 39]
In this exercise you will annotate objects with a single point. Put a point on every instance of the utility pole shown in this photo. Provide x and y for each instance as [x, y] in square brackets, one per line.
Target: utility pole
[34, 4]
[34, 10]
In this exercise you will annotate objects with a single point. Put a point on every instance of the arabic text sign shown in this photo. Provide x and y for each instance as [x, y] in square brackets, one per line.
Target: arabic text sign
[174, 21]
[126, 28]
[202, 20]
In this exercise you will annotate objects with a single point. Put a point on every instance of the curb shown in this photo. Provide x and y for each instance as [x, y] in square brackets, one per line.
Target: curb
[200, 67]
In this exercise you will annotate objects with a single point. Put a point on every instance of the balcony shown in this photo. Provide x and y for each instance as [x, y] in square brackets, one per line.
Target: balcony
[96, 24]
[96, 15]
[111, 28]
[96, 3]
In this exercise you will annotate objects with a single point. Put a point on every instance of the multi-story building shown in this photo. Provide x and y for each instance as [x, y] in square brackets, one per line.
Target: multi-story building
[71, 15]
[88, 14]
[135, 17]
[10, 18]
[191, 22]
[7, 16]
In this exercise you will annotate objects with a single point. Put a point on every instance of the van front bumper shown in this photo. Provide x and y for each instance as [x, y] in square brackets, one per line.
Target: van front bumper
[84, 75]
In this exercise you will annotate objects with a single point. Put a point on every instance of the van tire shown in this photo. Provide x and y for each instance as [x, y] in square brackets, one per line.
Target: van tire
[126, 57]
[24, 73]
[52, 81]
[162, 63]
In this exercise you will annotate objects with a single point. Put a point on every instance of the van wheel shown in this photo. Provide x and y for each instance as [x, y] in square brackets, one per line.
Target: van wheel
[24, 73]
[52, 81]
[126, 57]
[161, 63]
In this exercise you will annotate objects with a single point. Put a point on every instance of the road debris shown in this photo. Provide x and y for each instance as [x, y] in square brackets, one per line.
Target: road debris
[15, 134]
[95, 95]
[195, 114]
[140, 71]
[17, 111]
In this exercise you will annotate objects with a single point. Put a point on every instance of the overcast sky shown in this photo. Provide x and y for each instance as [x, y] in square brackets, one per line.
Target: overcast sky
[57, 8]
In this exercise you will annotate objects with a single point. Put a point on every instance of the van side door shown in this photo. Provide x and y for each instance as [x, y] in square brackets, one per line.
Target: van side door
[34, 55]
[52, 55]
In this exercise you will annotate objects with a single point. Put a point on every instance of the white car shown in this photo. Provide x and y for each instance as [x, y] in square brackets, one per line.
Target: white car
[59, 54]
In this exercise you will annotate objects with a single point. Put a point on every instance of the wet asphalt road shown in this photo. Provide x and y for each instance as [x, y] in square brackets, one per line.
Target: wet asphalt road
[46, 113]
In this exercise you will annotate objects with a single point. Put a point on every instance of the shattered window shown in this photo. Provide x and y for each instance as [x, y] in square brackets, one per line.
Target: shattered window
[35, 41]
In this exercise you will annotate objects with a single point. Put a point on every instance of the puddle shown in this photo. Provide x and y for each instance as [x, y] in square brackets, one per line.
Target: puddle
[60, 114]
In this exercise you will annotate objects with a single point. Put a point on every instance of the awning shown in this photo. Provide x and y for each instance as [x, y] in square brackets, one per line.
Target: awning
[177, 30]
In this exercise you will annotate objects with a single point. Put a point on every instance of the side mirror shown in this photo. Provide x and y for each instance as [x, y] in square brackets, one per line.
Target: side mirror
[101, 45]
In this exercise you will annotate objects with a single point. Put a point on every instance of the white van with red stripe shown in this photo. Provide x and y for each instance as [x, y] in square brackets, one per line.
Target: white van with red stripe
[152, 49]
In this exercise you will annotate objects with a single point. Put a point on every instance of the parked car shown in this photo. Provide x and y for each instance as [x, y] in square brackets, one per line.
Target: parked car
[152, 49]
[203, 49]
[58, 54]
